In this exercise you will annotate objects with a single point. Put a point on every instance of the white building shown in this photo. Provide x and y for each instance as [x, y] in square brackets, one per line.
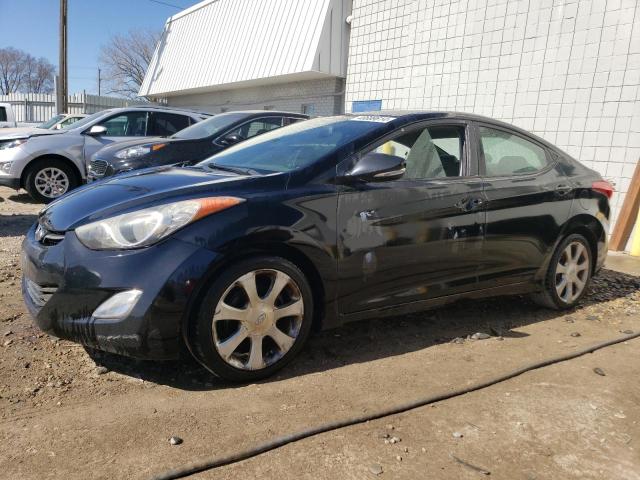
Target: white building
[226, 55]
[567, 70]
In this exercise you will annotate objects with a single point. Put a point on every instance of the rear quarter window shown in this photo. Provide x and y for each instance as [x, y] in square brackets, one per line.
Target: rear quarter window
[3, 114]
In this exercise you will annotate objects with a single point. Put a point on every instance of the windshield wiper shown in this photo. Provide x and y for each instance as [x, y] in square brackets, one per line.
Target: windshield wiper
[238, 170]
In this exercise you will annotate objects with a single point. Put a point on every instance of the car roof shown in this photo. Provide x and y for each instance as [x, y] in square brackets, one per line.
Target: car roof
[402, 117]
[159, 108]
[263, 113]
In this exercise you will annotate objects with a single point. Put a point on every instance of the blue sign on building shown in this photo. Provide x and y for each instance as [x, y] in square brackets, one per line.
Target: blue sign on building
[366, 106]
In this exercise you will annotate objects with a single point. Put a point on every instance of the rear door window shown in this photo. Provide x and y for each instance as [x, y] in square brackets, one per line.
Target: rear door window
[257, 127]
[508, 154]
[165, 124]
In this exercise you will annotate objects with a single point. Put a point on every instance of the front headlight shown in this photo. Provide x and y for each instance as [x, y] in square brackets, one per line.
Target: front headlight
[148, 226]
[140, 150]
[5, 144]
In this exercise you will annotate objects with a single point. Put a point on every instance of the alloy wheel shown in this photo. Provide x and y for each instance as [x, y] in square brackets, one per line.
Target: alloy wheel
[257, 319]
[572, 272]
[51, 182]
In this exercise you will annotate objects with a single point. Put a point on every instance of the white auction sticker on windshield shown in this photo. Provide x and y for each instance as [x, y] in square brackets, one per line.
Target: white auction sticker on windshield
[373, 118]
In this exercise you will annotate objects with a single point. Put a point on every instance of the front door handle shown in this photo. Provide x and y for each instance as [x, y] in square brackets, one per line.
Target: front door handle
[469, 204]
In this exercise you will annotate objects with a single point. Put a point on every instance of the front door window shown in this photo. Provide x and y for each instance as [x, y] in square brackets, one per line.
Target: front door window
[131, 124]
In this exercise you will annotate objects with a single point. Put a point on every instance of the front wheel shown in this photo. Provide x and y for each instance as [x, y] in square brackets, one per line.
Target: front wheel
[253, 320]
[48, 179]
[568, 275]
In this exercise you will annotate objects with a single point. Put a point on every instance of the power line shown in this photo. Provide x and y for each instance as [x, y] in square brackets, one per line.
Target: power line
[167, 4]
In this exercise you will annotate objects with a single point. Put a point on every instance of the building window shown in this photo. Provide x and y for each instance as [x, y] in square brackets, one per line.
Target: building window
[309, 109]
[366, 106]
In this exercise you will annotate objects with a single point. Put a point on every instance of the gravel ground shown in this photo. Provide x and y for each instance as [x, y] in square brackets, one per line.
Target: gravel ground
[66, 412]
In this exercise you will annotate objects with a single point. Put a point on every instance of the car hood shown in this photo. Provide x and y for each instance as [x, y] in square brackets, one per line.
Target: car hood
[110, 150]
[22, 132]
[132, 191]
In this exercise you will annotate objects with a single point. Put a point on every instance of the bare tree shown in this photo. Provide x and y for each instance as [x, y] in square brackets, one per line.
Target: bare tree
[125, 59]
[39, 73]
[21, 72]
[12, 70]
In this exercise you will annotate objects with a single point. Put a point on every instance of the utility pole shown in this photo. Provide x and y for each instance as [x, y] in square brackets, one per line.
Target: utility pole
[99, 82]
[63, 83]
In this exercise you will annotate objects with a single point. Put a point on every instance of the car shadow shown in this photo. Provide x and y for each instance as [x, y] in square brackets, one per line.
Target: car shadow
[15, 225]
[23, 198]
[369, 340]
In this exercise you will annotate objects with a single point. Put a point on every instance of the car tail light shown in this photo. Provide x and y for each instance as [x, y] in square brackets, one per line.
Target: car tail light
[603, 186]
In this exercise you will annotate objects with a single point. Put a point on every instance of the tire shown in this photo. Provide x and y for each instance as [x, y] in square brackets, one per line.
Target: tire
[228, 347]
[579, 276]
[63, 177]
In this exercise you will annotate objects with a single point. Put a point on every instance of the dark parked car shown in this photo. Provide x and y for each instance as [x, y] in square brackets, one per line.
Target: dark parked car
[190, 145]
[319, 223]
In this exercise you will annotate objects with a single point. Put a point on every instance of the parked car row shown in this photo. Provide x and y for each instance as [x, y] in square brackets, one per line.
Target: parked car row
[239, 256]
[48, 161]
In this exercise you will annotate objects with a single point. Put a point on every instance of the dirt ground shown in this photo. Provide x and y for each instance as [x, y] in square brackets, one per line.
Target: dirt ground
[64, 414]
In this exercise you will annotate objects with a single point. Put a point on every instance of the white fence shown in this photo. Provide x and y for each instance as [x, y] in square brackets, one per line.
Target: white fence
[40, 107]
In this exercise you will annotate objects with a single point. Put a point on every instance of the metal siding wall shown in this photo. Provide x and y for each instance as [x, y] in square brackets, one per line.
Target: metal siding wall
[40, 107]
[229, 41]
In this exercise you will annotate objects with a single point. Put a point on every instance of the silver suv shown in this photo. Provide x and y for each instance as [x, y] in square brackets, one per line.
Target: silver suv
[50, 163]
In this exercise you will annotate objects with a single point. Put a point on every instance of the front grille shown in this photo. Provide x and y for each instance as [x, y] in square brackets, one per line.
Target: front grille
[39, 294]
[98, 167]
[47, 237]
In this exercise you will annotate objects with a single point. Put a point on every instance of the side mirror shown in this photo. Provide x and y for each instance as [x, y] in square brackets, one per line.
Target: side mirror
[229, 140]
[376, 167]
[96, 131]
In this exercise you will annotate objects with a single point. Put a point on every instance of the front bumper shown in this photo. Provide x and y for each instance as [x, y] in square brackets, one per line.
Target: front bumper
[73, 281]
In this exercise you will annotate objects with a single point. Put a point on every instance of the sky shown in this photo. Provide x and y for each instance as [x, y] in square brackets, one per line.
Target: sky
[32, 26]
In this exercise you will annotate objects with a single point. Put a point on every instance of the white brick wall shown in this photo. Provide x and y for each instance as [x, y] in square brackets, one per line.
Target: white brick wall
[567, 70]
[326, 95]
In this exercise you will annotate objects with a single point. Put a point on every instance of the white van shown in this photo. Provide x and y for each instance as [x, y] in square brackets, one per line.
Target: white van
[7, 118]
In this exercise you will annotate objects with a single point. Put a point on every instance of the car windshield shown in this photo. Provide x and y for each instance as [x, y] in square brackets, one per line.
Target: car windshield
[51, 122]
[210, 126]
[293, 147]
[85, 121]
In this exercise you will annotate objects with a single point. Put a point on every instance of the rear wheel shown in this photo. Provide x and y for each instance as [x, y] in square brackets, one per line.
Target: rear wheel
[47, 179]
[568, 275]
[253, 320]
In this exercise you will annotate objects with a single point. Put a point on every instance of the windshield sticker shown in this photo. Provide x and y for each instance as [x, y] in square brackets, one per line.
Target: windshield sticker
[373, 118]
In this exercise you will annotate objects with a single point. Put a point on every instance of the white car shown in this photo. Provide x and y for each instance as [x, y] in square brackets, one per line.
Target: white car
[7, 118]
[57, 122]
[62, 120]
